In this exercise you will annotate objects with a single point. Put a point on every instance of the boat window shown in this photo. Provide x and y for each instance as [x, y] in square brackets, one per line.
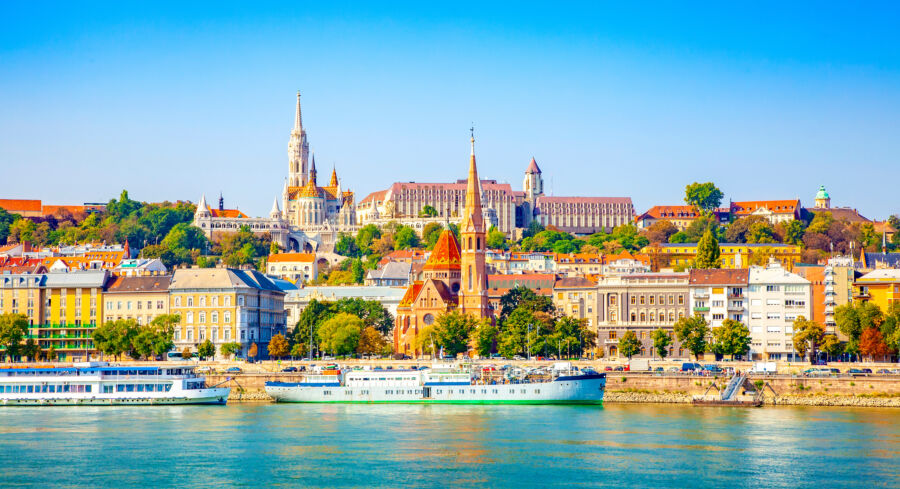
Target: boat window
[120, 387]
[140, 387]
[107, 389]
[87, 388]
[168, 387]
[537, 391]
[129, 387]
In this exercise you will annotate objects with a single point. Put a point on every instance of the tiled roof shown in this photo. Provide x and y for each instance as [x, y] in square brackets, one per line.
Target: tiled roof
[886, 259]
[374, 197]
[24, 205]
[841, 213]
[580, 200]
[572, 282]
[776, 206]
[532, 167]
[884, 274]
[738, 276]
[292, 257]
[231, 213]
[411, 293]
[156, 283]
[445, 253]
[392, 270]
[446, 294]
[72, 209]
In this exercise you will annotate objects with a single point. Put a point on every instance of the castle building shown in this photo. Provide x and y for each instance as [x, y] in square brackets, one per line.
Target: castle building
[214, 222]
[501, 205]
[453, 278]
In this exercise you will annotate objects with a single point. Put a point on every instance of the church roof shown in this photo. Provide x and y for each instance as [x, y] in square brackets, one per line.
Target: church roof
[822, 193]
[532, 167]
[310, 190]
[411, 293]
[226, 213]
[445, 253]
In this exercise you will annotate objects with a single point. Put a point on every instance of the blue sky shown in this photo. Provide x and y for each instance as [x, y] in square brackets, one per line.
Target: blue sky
[767, 100]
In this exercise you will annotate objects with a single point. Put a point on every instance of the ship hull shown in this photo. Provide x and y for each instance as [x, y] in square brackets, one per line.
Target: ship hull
[576, 390]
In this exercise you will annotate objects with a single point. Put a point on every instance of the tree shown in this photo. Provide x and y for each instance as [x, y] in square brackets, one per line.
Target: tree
[428, 211]
[346, 246]
[703, 196]
[405, 238]
[523, 296]
[340, 334]
[808, 336]
[691, 333]
[51, 353]
[116, 337]
[708, 252]
[791, 232]
[431, 233]
[853, 319]
[186, 353]
[253, 351]
[484, 337]
[731, 338]
[6, 220]
[496, 239]
[452, 332]
[661, 341]
[660, 231]
[31, 349]
[370, 341]
[871, 344]
[629, 344]
[156, 338]
[13, 328]
[278, 346]
[228, 350]
[832, 345]
[365, 236]
[298, 350]
[22, 231]
[206, 349]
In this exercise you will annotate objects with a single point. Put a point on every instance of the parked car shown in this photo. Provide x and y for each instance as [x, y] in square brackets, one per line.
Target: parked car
[607, 369]
[289, 369]
[713, 369]
[204, 369]
[327, 358]
[882, 371]
[817, 372]
[673, 369]
[518, 357]
[619, 368]
[233, 370]
[659, 369]
[856, 371]
[867, 371]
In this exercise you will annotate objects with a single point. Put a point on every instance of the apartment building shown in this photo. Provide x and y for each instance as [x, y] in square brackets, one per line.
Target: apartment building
[717, 295]
[141, 298]
[777, 297]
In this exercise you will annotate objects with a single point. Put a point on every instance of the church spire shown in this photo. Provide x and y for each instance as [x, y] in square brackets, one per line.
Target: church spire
[298, 119]
[312, 170]
[334, 180]
[472, 218]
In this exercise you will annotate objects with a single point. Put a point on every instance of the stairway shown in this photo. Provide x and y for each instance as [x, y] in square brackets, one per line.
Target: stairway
[734, 387]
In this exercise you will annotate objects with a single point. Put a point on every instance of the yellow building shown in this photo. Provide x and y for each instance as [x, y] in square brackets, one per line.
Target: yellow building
[880, 287]
[732, 255]
[296, 267]
[139, 298]
[62, 308]
[226, 305]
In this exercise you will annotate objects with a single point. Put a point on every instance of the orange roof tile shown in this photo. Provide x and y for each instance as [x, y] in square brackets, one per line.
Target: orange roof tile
[24, 205]
[292, 257]
[232, 213]
[445, 253]
[411, 293]
[776, 206]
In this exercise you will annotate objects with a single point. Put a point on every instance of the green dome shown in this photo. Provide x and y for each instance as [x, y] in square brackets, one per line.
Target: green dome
[822, 194]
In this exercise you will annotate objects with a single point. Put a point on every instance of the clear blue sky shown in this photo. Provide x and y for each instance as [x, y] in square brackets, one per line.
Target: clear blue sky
[767, 100]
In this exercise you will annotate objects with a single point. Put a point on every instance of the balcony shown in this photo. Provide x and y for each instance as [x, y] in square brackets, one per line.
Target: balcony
[701, 309]
[701, 295]
[735, 307]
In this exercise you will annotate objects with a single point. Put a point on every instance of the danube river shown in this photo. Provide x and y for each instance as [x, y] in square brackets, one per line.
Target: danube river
[258, 445]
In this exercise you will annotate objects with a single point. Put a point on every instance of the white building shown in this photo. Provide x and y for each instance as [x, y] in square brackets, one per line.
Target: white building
[719, 294]
[777, 297]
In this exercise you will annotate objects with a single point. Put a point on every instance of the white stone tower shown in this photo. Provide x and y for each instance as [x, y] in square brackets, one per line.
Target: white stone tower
[298, 151]
[534, 183]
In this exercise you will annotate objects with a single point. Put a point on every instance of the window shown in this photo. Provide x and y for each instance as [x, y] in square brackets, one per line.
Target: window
[178, 302]
[755, 302]
[773, 302]
[718, 316]
[718, 303]
[633, 300]
[652, 300]
[771, 288]
[190, 318]
[642, 300]
[214, 317]
[202, 301]
[202, 317]
[227, 315]
[190, 302]
[613, 335]
[680, 299]
[756, 315]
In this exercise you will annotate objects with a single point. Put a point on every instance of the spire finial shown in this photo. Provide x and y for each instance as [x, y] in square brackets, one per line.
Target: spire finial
[298, 119]
[472, 132]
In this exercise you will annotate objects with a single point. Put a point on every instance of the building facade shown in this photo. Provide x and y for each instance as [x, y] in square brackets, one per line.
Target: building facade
[732, 255]
[717, 295]
[777, 297]
[297, 268]
[139, 298]
[226, 305]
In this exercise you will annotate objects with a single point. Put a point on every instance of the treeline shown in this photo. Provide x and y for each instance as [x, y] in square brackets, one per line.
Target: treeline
[346, 327]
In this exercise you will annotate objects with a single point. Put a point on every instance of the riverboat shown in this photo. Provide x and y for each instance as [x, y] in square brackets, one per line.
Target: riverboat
[443, 385]
[99, 383]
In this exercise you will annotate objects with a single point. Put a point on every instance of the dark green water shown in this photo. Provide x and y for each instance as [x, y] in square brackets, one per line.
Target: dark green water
[448, 446]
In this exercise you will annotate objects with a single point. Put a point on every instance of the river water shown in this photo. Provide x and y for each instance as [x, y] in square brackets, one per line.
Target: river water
[293, 445]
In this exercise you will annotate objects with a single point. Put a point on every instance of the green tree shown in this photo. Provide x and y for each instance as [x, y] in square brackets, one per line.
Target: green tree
[808, 336]
[340, 334]
[366, 236]
[230, 349]
[525, 297]
[661, 341]
[484, 337]
[116, 337]
[51, 353]
[791, 232]
[430, 234]
[629, 344]
[206, 349]
[731, 338]
[704, 196]
[832, 345]
[346, 246]
[708, 252]
[278, 346]
[691, 333]
[659, 231]
[22, 231]
[428, 211]
[298, 350]
[405, 238]
[496, 239]
[853, 319]
[31, 349]
[156, 338]
[453, 330]
[6, 220]
[13, 329]
[370, 342]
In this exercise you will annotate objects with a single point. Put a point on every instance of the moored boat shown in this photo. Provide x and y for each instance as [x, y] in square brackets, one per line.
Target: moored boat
[442, 385]
[98, 383]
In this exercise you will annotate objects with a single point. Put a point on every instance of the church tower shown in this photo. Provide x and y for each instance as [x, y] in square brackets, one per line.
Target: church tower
[473, 297]
[534, 183]
[823, 200]
[298, 151]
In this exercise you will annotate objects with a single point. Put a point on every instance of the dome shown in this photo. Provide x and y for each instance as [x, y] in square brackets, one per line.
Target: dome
[822, 194]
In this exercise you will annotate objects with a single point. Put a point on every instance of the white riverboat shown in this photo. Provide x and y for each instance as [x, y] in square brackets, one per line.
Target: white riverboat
[442, 385]
[98, 383]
